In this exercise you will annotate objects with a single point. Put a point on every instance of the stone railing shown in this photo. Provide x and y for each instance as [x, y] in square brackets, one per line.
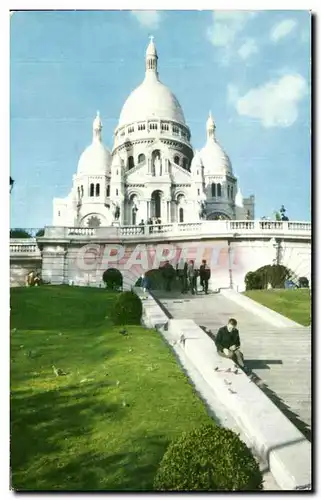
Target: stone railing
[23, 247]
[203, 228]
[189, 230]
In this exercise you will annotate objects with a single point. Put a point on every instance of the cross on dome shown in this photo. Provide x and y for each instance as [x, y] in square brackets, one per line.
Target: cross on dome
[151, 38]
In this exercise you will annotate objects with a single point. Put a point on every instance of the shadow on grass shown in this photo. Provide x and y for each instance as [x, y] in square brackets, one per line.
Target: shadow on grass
[48, 452]
[133, 470]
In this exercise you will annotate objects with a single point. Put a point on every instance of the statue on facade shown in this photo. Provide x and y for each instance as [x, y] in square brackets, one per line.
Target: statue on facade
[117, 212]
[202, 211]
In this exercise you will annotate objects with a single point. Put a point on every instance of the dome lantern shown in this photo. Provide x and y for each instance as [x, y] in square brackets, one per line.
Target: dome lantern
[210, 127]
[151, 58]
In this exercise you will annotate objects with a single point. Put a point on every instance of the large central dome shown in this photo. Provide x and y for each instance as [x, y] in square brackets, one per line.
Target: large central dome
[152, 99]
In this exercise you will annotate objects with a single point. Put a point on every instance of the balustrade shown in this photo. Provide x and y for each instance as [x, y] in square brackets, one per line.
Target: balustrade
[205, 228]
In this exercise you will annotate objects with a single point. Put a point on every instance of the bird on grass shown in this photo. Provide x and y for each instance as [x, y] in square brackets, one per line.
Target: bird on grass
[123, 332]
[58, 371]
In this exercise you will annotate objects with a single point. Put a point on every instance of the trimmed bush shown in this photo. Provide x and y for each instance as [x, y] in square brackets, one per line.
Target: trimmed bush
[209, 458]
[274, 274]
[253, 281]
[127, 309]
[303, 282]
[113, 279]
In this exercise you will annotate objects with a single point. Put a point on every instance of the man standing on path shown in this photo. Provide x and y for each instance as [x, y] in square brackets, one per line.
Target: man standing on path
[228, 342]
[181, 270]
[168, 275]
[192, 277]
[205, 274]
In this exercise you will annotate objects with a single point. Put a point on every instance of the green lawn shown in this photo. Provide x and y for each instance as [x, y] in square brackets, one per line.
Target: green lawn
[106, 424]
[294, 304]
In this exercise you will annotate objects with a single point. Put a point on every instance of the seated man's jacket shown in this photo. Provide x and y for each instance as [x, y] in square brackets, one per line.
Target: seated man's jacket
[225, 339]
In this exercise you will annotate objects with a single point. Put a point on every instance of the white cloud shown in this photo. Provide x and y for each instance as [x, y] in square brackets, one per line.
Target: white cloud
[275, 103]
[282, 29]
[226, 26]
[148, 18]
[248, 48]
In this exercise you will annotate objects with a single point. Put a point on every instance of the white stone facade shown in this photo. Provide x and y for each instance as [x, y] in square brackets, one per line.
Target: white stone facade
[153, 170]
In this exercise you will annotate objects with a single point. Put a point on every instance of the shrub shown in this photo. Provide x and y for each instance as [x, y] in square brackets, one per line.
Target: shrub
[253, 281]
[275, 274]
[209, 458]
[303, 282]
[20, 233]
[127, 309]
[113, 279]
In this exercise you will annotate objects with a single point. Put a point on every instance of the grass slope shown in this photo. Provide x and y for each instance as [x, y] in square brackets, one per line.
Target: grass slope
[105, 425]
[294, 304]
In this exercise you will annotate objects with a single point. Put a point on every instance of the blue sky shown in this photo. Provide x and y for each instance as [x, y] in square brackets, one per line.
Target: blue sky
[251, 69]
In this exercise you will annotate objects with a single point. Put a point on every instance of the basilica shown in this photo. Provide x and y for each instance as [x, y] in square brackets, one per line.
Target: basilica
[153, 170]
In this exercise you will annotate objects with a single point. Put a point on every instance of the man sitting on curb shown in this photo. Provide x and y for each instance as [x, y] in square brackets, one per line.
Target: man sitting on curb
[228, 343]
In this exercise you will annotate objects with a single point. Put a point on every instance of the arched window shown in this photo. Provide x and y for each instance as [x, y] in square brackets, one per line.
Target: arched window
[181, 214]
[213, 190]
[116, 192]
[141, 158]
[82, 191]
[108, 191]
[228, 191]
[130, 162]
[176, 160]
[198, 192]
[97, 189]
[92, 190]
[197, 172]
[185, 163]
[78, 192]
[232, 192]
[219, 190]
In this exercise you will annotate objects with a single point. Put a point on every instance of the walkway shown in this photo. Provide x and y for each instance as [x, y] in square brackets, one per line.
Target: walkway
[280, 358]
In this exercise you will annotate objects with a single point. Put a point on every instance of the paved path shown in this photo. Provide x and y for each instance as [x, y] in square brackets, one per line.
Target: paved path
[280, 357]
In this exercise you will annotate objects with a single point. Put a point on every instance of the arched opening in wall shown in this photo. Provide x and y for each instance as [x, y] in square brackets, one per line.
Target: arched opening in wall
[156, 162]
[108, 191]
[228, 191]
[78, 192]
[213, 189]
[218, 216]
[113, 279]
[97, 189]
[134, 207]
[181, 214]
[82, 191]
[141, 158]
[134, 216]
[156, 280]
[156, 204]
[185, 163]
[92, 190]
[176, 160]
[231, 192]
[131, 163]
[219, 190]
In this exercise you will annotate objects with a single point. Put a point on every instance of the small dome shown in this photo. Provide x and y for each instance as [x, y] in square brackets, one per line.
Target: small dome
[96, 159]
[214, 159]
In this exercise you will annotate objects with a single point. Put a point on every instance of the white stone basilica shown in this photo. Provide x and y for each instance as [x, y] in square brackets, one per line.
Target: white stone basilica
[152, 170]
